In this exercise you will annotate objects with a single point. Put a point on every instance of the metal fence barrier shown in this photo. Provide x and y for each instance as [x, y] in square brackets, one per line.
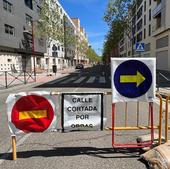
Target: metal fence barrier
[8, 78]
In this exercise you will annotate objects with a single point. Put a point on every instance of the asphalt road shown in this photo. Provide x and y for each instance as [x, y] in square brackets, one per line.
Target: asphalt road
[75, 150]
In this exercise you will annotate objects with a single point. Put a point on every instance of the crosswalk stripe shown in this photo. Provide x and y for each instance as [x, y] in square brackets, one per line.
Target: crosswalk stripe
[58, 80]
[79, 80]
[91, 79]
[102, 79]
[68, 80]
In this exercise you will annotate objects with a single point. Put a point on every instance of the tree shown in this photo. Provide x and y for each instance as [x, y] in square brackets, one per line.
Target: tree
[118, 17]
[92, 55]
[69, 37]
[114, 35]
[51, 24]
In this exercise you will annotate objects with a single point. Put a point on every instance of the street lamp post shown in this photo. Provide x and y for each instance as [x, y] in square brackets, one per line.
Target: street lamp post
[33, 49]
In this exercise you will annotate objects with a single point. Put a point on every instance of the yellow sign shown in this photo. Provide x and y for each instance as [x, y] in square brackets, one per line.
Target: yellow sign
[36, 114]
[138, 78]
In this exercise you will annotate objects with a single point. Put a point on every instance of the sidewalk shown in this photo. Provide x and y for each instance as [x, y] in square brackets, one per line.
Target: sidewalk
[13, 80]
[43, 77]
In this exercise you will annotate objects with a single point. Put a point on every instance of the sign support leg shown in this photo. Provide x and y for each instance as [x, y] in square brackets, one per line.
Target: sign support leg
[126, 114]
[113, 123]
[14, 152]
[166, 119]
[137, 114]
[151, 117]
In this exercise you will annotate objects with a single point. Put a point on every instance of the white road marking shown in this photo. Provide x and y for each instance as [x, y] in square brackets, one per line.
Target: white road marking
[79, 80]
[68, 80]
[56, 81]
[102, 79]
[91, 79]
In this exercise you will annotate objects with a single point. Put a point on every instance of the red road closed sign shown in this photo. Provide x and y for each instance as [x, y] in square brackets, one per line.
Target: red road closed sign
[32, 113]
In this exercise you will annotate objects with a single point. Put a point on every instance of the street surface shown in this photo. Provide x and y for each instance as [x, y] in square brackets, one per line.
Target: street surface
[75, 150]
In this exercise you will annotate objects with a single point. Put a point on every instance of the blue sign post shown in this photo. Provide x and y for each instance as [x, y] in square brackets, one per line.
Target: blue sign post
[132, 78]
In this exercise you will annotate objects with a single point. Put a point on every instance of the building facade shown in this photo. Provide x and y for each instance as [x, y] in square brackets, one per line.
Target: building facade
[16, 46]
[151, 26]
[21, 49]
[81, 42]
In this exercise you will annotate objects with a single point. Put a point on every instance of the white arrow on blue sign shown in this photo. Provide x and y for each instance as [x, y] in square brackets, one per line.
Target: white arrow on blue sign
[140, 47]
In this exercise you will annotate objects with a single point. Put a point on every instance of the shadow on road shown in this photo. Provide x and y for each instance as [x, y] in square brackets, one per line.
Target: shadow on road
[75, 151]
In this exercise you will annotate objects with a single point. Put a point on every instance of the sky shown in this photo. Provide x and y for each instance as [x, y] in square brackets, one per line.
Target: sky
[90, 13]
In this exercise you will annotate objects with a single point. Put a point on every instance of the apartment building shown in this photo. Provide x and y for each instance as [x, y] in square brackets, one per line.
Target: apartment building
[21, 49]
[62, 53]
[16, 44]
[150, 25]
[82, 42]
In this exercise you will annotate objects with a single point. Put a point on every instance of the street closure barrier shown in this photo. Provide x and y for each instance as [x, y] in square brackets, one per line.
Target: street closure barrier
[43, 111]
[167, 127]
[82, 111]
[133, 80]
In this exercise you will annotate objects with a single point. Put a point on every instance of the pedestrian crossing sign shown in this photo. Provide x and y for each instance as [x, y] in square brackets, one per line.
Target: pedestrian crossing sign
[140, 47]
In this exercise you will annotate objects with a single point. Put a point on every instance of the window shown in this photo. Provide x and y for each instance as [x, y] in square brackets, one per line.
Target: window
[139, 36]
[162, 42]
[144, 19]
[9, 29]
[139, 13]
[28, 19]
[28, 3]
[144, 33]
[149, 14]
[9, 60]
[54, 61]
[150, 2]
[59, 48]
[147, 47]
[46, 61]
[7, 6]
[145, 6]
[38, 9]
[149, 32]
[139, 25]
[61, 10]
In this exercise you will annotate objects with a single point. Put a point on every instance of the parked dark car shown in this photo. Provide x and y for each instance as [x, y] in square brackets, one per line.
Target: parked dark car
[79, 66]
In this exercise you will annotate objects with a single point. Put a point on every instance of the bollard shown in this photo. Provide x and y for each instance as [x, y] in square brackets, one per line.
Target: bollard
[14, 152]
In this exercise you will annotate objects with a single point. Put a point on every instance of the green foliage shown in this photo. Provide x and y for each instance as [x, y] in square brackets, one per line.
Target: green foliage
[117, 10]
[69, 34]
[117, 17]
[50, 25]
[92, 55]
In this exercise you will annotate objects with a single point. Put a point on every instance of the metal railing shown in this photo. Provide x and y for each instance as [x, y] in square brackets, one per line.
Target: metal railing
[9, 79]
[162, 79]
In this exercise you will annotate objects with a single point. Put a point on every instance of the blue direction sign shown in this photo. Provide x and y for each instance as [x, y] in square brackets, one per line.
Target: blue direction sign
[140, 47]
[132, 78]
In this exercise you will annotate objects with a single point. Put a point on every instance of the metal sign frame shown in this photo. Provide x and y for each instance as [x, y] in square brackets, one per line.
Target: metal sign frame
[133, 145]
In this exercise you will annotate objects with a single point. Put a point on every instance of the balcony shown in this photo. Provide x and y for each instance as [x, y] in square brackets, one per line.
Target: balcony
[157, 11]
